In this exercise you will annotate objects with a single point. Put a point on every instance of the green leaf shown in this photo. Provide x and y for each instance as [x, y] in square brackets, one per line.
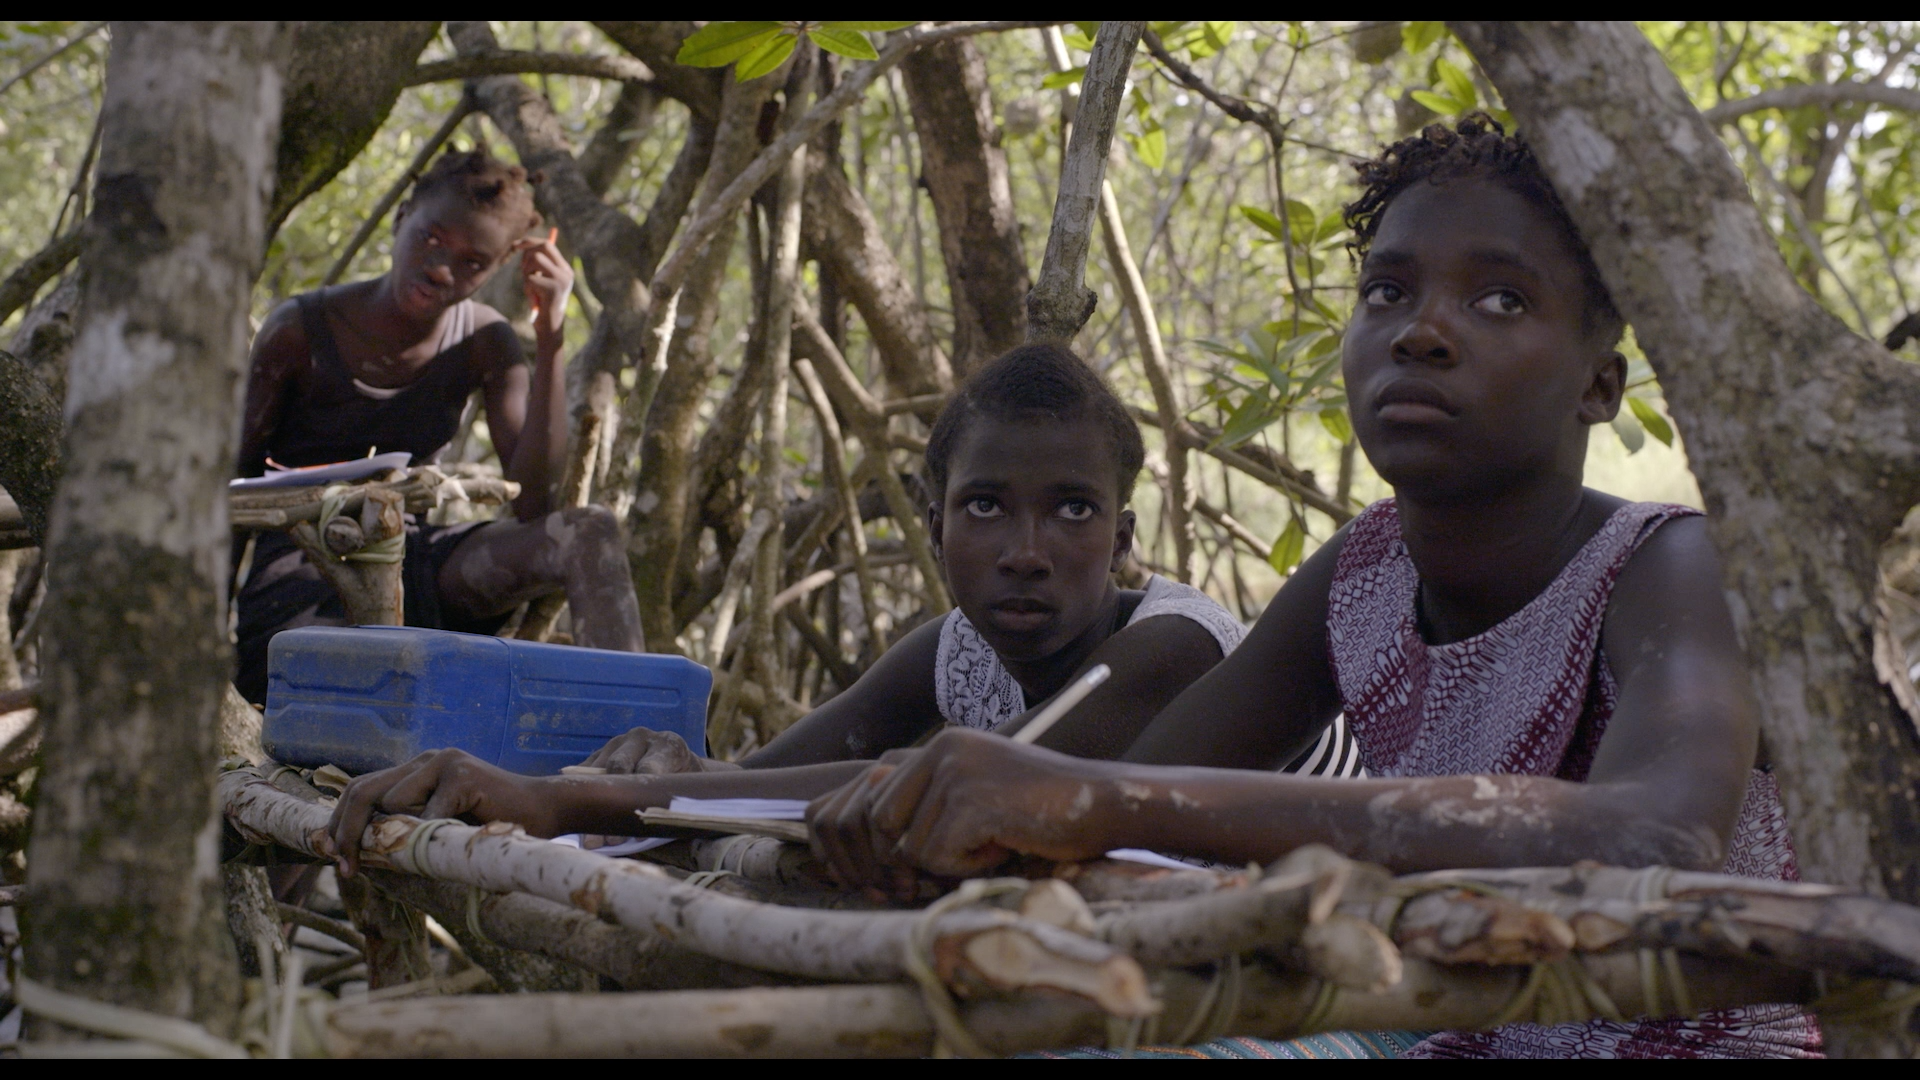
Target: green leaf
[1302, 219]
[1200, 40]
[1439, 103]
[766, 58]
[1655, 424]
[1331, 228]
[1150, 148]
[1077, 40]
[1267, 221]
[1228, 351]
[1630, 432]
[866, 27]
[1337, 424]
[1063, 78]
[1289, 548]
[1218, 33]
[851, 44]
[1416, 36]
[1246, 420]
[1458, 85]
[721, 43]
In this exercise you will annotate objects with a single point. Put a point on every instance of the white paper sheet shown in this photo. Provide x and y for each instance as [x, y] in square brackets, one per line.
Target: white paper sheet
[339, 472]
[1150, 858]
[796, 810]
[629, 846]
[759, 809]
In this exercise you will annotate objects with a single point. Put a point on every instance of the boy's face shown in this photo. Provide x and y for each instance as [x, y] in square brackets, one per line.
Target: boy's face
[444, 249]
[1030, 529]
[1467, 360]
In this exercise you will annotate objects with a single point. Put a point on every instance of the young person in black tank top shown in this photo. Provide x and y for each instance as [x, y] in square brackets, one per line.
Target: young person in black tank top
[389, 364]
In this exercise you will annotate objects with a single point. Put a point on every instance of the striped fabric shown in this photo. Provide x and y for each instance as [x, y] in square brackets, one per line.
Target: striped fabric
[1336, 754]
[1331, 1045]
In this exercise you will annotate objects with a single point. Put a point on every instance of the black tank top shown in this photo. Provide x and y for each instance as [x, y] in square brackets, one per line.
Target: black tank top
[329, 417]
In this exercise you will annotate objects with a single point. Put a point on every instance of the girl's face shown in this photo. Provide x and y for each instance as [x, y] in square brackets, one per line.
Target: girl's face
[444, 249]
[1030, 530]
[1468, 363]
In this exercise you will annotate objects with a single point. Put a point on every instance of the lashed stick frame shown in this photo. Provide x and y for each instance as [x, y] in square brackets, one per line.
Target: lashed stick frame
[369, 513]
[1315, 943]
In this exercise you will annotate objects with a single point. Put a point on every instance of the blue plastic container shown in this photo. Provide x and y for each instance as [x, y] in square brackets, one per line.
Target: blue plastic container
[370, 697]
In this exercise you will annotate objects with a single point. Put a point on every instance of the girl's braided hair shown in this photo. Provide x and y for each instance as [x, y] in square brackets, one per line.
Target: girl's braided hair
[1032, 381]
[1476, 146]
[486, 183]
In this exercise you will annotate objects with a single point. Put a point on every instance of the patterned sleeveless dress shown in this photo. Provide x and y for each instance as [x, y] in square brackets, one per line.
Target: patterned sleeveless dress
[975, 690]
[1531, 697]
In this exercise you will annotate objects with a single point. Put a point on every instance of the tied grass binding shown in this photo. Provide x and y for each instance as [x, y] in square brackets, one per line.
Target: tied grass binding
[391, 550]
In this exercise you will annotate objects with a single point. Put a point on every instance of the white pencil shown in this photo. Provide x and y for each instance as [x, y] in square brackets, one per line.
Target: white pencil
[1063, 704]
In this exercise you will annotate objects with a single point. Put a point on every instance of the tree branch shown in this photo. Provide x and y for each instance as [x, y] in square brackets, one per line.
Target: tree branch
[1234, 527]
[1269, 468]
[1239, 108]
[1799, 97]
[762, 168]
[516, 62]
[38, 269]
[1060, 302]
[59, 50]
[1181, 491]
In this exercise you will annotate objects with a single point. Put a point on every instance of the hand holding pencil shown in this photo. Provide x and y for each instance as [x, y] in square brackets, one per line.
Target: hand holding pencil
[548, 279]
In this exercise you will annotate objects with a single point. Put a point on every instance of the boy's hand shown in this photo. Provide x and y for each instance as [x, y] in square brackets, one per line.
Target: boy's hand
[548, 279]
[437, 784]
[957, 808]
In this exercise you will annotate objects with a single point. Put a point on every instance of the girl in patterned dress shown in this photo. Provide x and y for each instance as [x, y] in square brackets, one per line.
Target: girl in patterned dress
[1536, 673]
[1031, 466]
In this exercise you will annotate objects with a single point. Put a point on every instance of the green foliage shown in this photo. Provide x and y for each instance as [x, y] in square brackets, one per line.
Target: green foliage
[1415, 37]
[1655, 424]
[761, 47]
[1199, 40]
[1150, 142]
[1289, 548]
[1455, 95]
[1058, 79]
[46, 122]
[721, 43]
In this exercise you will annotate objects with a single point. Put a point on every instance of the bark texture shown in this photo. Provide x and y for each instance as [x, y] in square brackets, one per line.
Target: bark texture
[656, 44]
[1060, 303]
[29, 441]
[1804, 436]
[965, 172]
[657, 515]
[842, 235]
[124, 867]
[329, 118]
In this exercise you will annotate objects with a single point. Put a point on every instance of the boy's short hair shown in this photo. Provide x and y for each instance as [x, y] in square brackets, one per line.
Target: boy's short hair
[1476, 146]
[487, 184]
[1037, 380]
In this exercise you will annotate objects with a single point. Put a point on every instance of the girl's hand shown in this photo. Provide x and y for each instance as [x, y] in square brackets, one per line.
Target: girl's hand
[437, 784]
[651, 753]
[958, 808]
[548, 279]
